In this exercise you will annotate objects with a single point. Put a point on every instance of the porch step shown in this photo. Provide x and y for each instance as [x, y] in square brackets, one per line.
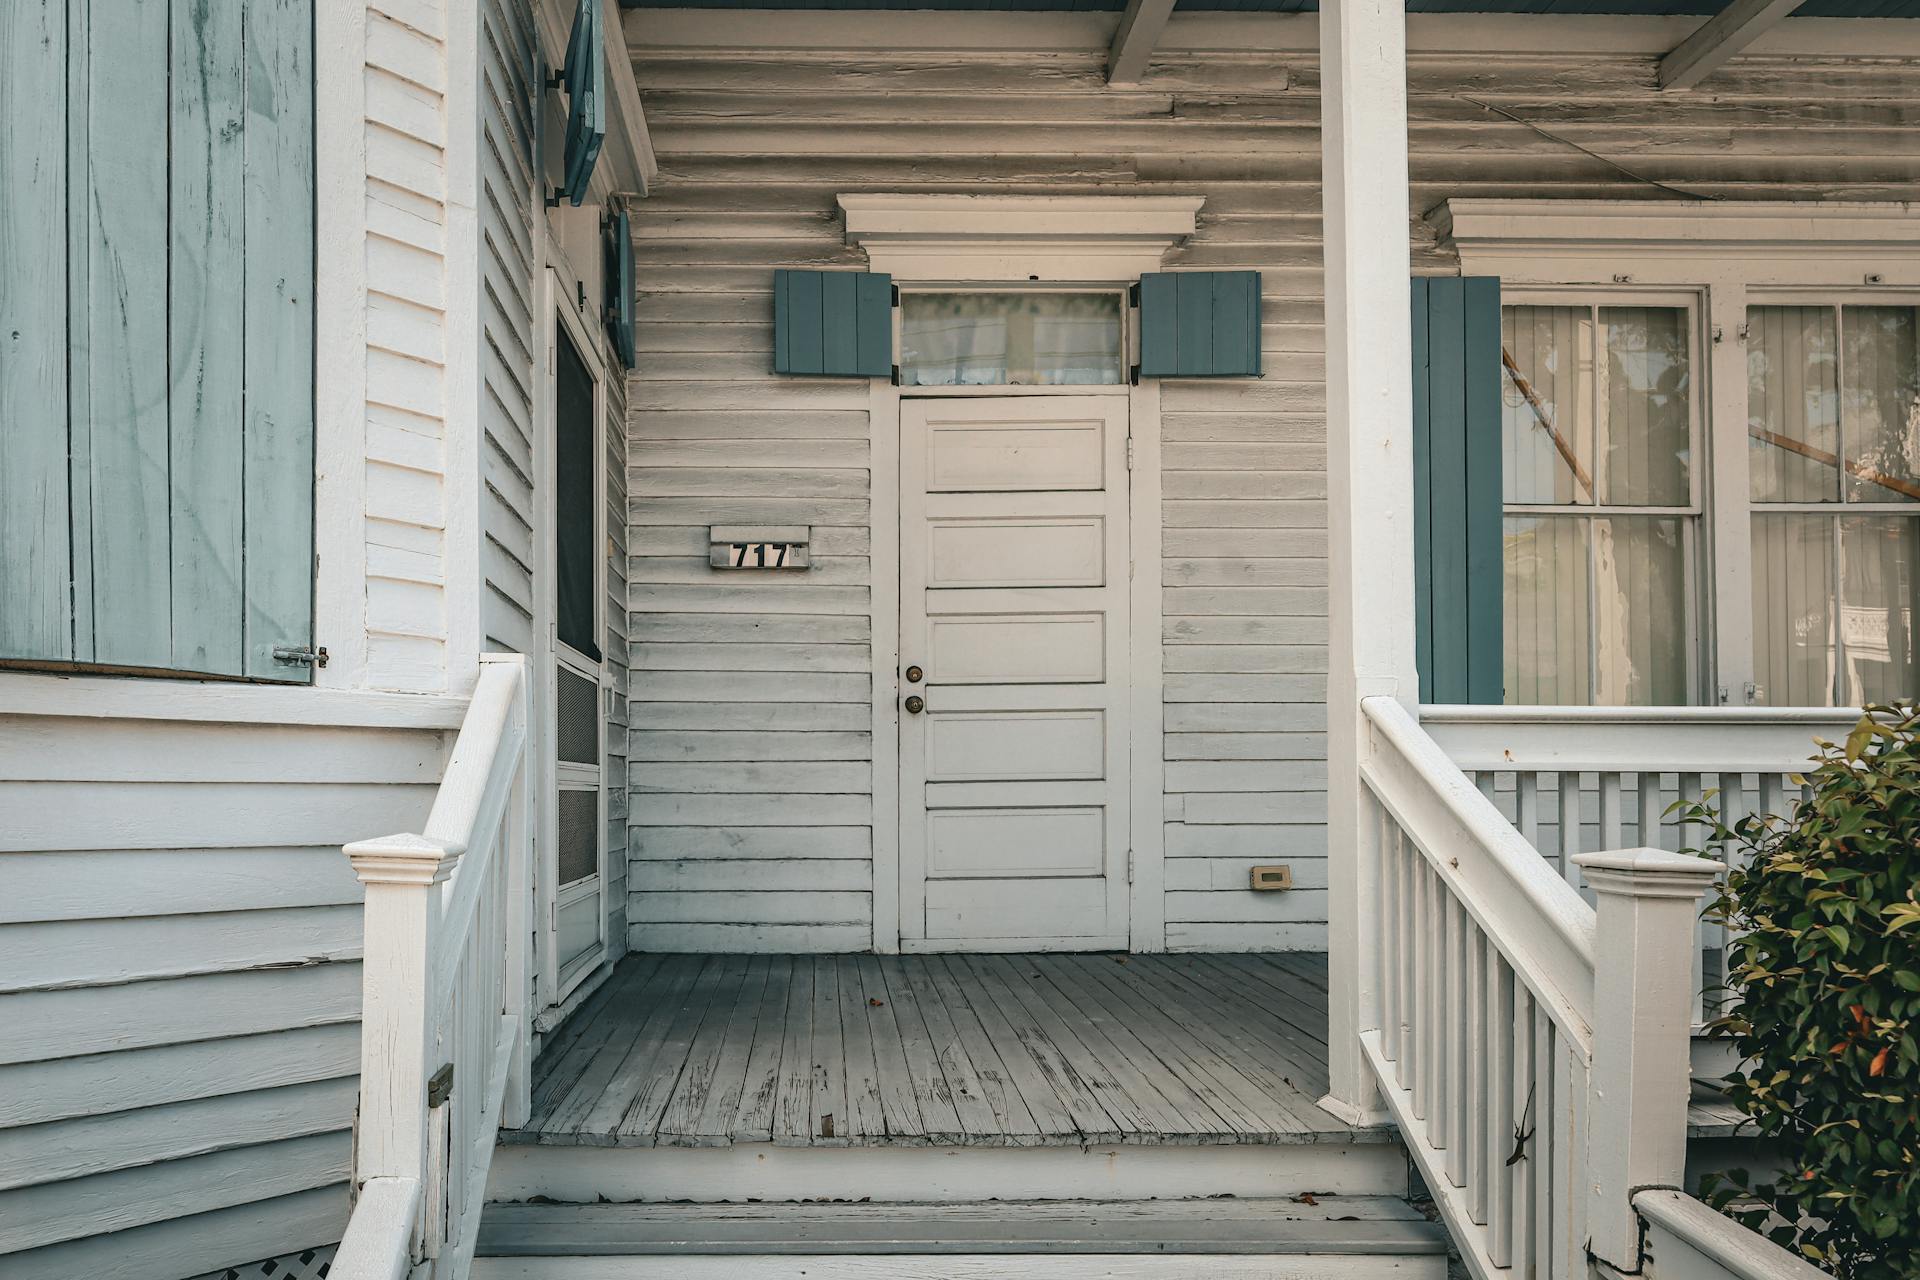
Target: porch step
[1357, 1237]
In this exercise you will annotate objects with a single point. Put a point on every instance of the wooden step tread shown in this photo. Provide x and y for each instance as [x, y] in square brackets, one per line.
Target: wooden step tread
[1351, 1225]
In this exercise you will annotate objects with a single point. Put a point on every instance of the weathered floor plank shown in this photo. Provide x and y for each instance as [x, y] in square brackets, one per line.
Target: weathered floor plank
[941, 1050]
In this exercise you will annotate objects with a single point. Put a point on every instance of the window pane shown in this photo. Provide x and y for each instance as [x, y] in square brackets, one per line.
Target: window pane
[1017, 339]
[1546, 610]
[1649, 384]
[1547, 409]
[1880, 403]
[575, 582]
[1793, 649]
[1640, 612]
[1793, 405]
[1876, 608]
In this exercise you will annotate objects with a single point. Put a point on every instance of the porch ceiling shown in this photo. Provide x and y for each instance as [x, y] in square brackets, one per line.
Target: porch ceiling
[1641, 8]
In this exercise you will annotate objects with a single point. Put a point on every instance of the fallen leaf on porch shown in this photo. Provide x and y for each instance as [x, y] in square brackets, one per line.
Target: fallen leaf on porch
[1305, 1197]
[876, 1002]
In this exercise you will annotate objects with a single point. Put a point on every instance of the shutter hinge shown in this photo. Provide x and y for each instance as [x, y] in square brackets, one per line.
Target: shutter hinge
[896, 295]
[440, 1088]
[295, 656]
[1133, 294]
[1129, 453]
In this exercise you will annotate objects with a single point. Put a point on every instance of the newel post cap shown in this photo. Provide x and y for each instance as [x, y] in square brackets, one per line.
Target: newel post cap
[1648, 873]
[404, 859]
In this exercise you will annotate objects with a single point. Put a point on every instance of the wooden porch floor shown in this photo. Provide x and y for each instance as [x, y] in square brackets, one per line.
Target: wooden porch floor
[955, 1050]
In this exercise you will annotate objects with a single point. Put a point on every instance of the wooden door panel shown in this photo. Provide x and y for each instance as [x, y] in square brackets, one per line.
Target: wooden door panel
[1014, 602]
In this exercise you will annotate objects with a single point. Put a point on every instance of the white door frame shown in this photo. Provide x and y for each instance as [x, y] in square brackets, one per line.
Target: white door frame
[1147, 838]
[558, 307]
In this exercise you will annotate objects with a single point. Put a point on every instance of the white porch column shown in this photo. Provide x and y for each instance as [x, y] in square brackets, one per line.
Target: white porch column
[1365, 219]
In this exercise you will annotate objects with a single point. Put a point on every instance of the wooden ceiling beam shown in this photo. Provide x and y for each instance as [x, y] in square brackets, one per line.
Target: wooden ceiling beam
[1719, 38]
[1140, 28]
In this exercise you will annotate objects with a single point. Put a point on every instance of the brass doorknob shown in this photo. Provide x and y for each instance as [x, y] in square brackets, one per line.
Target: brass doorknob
[915, 675]
[915, 705]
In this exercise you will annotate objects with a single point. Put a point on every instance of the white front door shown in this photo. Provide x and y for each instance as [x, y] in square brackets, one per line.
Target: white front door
[1014, 780]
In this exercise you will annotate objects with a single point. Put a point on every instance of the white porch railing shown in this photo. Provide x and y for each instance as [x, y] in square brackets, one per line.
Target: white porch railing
[1576, 779]
[1532, 1048]
[443, 1021]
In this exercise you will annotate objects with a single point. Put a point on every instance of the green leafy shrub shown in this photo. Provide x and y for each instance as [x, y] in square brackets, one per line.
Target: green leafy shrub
[1823, 1003]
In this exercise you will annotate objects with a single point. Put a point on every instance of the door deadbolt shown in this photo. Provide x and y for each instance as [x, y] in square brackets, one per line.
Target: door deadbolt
[915, 705]
[915, 675]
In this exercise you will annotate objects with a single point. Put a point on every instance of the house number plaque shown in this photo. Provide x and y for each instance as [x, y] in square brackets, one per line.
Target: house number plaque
[758, 547]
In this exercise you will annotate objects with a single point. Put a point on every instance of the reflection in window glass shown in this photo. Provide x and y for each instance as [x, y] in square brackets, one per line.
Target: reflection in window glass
[1640, 612]
[1793, 644]
[1010, 339]
[1645, 431]
[1877, 608]
[1793, 404]
[1547, 409]
[1880, 403]
[1546, 648]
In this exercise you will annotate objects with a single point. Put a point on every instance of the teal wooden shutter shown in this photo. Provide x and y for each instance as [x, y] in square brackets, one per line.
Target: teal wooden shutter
[619, 277]
[1457, 488]
[1200, 324]
[156, 337]
[836, 324]
[585, 75]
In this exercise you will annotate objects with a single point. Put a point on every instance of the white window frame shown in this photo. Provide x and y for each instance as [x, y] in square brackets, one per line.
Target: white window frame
[559, 307]
[1732, 254]
[1693, 516]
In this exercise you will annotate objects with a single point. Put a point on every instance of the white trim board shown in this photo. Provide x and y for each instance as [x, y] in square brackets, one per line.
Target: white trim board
[1490, 233]
[221, 702]
[1371, 1165]
[1246, 34]
[1017, 238]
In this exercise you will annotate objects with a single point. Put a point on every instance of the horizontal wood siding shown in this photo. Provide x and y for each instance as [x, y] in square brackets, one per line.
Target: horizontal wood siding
[180, 984]
[737, 682]
[408, 281]
[508, 288]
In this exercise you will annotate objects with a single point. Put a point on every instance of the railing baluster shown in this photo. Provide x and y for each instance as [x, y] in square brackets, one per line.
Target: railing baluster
[1454, 1101]
[1612, 820]
[1571, 826]
[1473, 1134]
[1390, 941]
[1650, 807]
[1542, 1150]
[1497, 1115]
[1526, 805]
[1409, 868]
[1519, 1149]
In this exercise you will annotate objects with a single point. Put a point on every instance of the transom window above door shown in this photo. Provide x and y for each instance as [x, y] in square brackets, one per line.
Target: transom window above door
[1033, 338]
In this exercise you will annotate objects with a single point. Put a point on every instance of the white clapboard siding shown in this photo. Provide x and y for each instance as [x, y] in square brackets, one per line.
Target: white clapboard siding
[753, 147]
[180, 968]
[506, 293]
[407, 343]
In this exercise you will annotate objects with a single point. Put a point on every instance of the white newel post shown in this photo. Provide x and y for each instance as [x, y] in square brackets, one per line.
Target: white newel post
[1363, 122]
[398, 1057]
[1643, 1004]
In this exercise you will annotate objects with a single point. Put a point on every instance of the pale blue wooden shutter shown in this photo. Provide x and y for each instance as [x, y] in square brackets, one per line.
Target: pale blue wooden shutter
[1457, 488]
[1200, 324]
[833, 323]
[585, 75]
[619, 276]
[156, 338]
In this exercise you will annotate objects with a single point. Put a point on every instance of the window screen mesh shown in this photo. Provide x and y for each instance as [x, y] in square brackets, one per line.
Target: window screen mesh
[579, 719]
[579, 835]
